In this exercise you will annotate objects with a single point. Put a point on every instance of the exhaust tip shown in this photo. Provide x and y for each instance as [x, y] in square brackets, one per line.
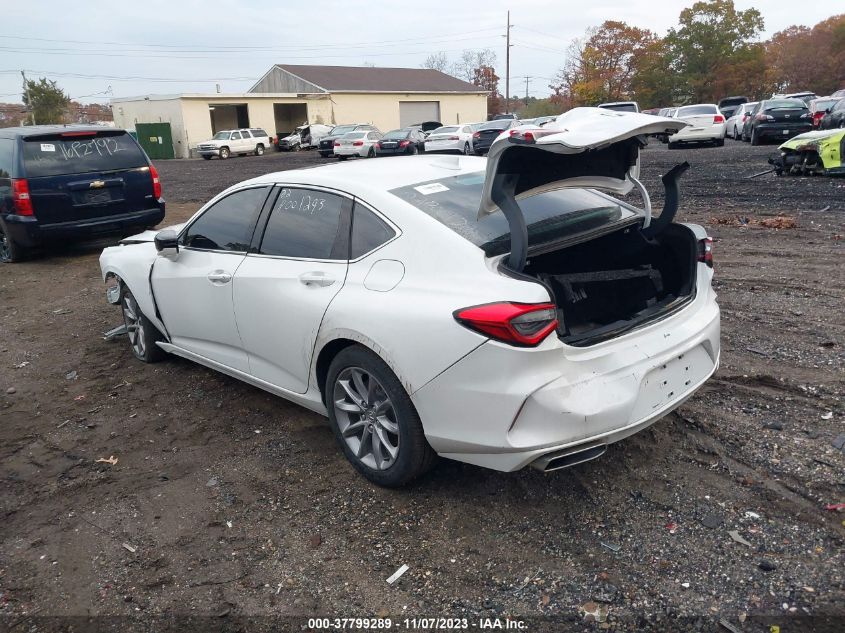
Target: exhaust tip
[568, 457]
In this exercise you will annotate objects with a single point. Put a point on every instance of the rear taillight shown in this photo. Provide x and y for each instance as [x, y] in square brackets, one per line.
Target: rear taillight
[764, 117]
[378, 145]
[337, 144]
[520, 324]
[705, 251]
[358, 143]
[806, 115]
[156, 182]
[718, 119]
[454, 138]
[404, 143]
[21, 202]
[528, 136]
[476, 135]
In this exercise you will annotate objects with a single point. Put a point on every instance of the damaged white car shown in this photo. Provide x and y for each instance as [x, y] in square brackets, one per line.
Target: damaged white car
[501, 312]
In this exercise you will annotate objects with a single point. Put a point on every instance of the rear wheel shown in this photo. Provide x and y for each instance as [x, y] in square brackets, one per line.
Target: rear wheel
[755, 140]
[224, 153]
[10, 251]
[374, 420]
[141, 332]
[720, 142]
[259, 150]
[371, 153]
[467, 149]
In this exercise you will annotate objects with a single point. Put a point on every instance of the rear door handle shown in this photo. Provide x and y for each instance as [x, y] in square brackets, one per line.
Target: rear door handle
[316, 278]
[219, 277]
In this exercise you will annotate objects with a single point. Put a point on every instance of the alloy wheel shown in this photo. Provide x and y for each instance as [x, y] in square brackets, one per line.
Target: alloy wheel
[134, 325]
[366, 418]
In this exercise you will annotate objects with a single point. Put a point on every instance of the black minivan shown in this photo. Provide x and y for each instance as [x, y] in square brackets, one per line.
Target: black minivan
[63, 183]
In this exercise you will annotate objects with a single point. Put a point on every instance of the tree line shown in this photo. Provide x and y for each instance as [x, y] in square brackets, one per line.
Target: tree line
[713, 52]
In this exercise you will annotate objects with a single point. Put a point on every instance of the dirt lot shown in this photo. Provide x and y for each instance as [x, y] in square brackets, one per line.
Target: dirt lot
[230, 503]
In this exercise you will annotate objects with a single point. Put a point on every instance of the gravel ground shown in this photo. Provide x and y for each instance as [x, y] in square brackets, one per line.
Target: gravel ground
[228, 503]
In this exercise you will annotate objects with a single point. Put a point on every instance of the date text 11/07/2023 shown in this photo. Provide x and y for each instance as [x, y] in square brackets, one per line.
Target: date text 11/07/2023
[418, 624]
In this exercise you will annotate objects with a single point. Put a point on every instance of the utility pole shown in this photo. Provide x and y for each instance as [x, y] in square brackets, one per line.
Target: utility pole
[527, 79]
[508, 66]
[28, 100]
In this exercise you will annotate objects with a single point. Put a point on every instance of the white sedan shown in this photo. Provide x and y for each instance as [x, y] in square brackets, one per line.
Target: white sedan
[735, 123]
[493, 311]
[450, 138]
[706, 124]
[361, 144]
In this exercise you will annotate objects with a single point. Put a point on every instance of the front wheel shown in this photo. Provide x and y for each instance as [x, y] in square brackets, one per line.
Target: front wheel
[142, 334]
[374, 420]
[224, 153]
[259, 150]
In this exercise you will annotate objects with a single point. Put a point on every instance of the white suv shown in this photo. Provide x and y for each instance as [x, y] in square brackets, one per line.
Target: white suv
[242, 142]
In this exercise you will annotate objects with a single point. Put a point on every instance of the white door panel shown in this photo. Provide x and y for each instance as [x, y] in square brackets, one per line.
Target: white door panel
[194, 296]
[279, 305]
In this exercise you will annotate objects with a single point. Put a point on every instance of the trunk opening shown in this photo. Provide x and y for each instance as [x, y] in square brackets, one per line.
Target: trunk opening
[612, 284]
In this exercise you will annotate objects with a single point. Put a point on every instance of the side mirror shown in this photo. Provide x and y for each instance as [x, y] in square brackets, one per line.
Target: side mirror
[167, 243]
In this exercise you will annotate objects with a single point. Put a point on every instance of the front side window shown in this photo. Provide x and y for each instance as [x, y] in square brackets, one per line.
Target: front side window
[227, 225]
[306, 223]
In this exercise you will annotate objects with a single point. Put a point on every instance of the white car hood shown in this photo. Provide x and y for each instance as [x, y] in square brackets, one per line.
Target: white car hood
[149, 235]
[590, 147]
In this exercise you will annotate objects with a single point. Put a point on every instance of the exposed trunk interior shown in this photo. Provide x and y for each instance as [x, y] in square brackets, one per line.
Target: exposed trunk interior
[614, 283]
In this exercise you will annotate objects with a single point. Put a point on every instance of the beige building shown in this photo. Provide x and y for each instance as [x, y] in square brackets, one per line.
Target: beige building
[288, 96]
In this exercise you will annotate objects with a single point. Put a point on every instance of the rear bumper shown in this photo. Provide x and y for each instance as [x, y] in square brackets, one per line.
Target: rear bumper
[449, 146]
[551, 398]
[776, 130]
[357, 151]
[697, 135]
[392, 151]
[27, 231]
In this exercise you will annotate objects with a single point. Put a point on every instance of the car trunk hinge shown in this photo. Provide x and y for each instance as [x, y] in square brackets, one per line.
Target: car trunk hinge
[503, 194]
[646, 199]
[670, 206]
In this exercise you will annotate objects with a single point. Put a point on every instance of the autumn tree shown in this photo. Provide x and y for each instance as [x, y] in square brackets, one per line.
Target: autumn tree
[711, 34]
[485, 77]
[602, 65]
[46, 100]
[801, 58]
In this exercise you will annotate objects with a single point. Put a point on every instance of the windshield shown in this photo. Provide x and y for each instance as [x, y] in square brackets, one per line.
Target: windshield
[454, 202]
[397, 134]
[696, 109]
[785, 104]
[501, 124]
[342, 129]
[445, 130]
[56, 154]
[221, 136]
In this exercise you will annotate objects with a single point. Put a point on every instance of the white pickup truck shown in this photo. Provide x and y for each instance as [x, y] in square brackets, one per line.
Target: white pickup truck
[242, 142]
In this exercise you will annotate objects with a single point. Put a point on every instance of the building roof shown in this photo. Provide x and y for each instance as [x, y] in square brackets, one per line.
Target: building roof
[370, 79]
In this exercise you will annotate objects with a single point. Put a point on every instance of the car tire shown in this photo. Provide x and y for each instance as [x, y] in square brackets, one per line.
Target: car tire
[224, 153]
[10, 251]
[467, 150]
[259, 150]
[671, 145]
[371, 153]
[342, 157]
[362, 393]
[296, 147]
[206, 157]
[142, 334]
[720, 142]
[755, 140]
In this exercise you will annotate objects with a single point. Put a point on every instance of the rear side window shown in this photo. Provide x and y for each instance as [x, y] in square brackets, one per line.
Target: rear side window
[258, 132]
[307, 223]
[56, 154]
[7, 155]
[227, 225]
[245, 133]
[368, 232]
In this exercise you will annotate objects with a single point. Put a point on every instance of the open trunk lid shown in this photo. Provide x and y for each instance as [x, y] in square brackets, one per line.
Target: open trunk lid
[584, 148]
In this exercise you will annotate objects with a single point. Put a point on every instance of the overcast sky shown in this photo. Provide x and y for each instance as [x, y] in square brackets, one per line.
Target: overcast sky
[131, 47]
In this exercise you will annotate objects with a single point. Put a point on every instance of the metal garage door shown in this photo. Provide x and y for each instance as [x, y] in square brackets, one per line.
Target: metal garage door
[411, 112]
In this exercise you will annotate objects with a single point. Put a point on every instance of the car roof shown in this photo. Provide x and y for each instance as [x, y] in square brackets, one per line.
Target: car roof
[381, 176]
[35, 130]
